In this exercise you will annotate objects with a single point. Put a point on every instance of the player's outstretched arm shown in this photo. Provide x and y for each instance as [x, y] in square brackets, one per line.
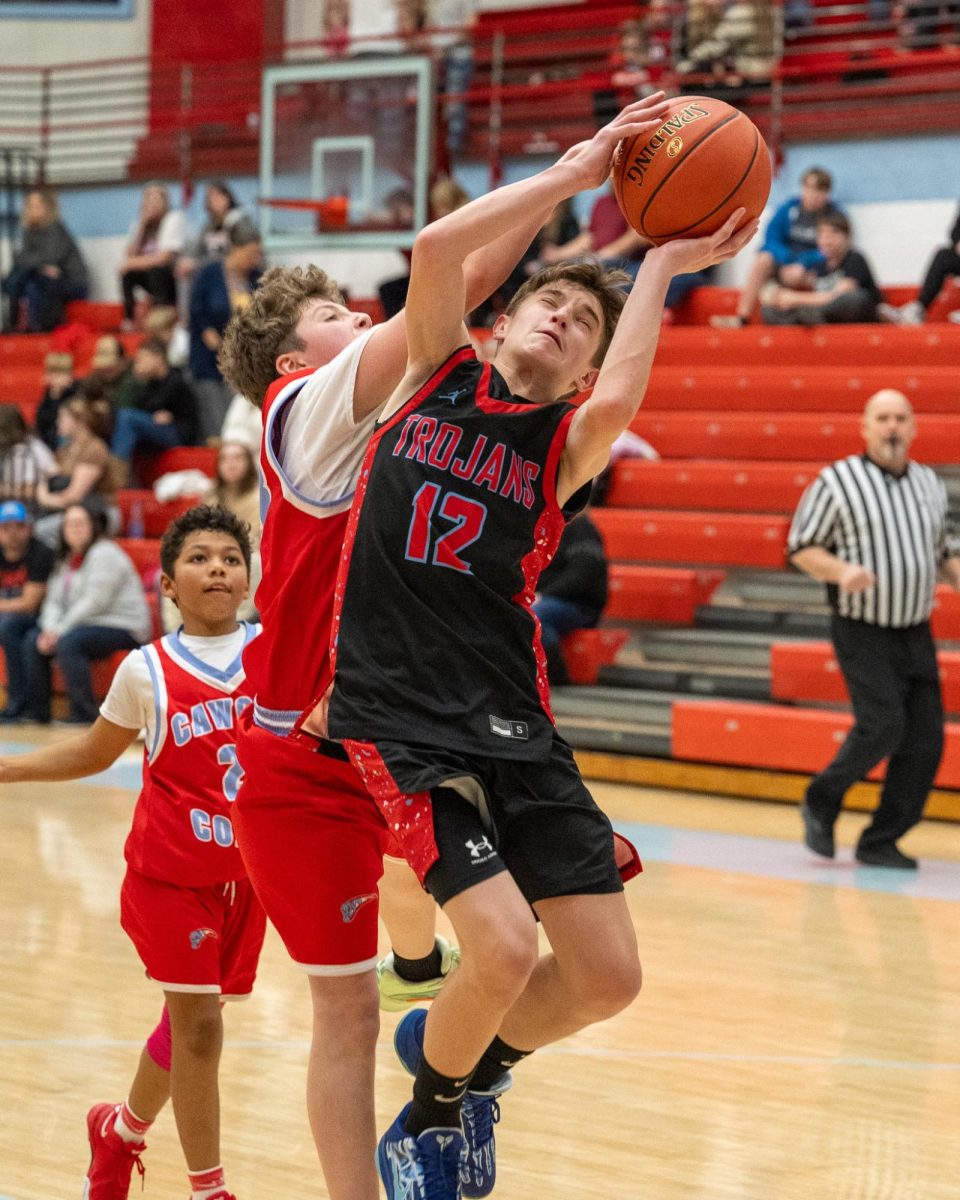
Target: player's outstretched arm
[622, 381]
[436, 299]
[93, 751]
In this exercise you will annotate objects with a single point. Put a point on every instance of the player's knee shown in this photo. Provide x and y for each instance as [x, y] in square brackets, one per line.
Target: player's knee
[200, 1035]
[504, 958]
[346, 1010]
[608, 987]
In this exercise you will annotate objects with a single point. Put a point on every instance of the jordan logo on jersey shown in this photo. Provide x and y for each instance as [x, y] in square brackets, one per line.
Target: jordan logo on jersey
[350, 908]
[509, 729]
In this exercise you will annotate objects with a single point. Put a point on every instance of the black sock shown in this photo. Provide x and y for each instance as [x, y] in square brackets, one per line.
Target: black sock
[497, 1059]
[436, 1100]
[419, 970]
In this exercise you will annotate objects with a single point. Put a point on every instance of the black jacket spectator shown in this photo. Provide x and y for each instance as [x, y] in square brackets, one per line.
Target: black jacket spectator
[60, 386]
[572, 591]
[25, 566]
[48, 269]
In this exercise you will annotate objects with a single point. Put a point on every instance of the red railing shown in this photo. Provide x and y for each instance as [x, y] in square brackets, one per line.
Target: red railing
[839, 73]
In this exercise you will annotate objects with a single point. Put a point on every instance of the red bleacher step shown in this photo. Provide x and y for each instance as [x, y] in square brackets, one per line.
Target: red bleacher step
[945, 621]
[771, 436]
[669, 594]
[729, 539]
[809, 671]
[156, 515]
[828, 346]
[810, 387]
[757, 487]
[587, 650]
[777, 738]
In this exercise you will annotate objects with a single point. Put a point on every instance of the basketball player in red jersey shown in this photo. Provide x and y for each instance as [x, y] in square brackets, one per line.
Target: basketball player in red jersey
[311, 836]
[186, 902]
[440, 694]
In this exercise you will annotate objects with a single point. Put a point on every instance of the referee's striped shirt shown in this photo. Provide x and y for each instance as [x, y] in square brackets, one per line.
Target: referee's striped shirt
[895, 525]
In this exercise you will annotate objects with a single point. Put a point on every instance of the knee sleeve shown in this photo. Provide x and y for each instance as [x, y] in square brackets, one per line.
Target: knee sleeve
[160, 1043]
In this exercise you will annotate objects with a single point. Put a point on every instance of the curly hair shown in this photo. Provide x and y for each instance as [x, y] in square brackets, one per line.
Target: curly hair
[267, 327]
[606, 283]
[209, 519]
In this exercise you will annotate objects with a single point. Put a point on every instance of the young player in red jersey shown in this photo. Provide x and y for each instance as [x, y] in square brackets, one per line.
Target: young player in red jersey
[186, 902]
[440, 694]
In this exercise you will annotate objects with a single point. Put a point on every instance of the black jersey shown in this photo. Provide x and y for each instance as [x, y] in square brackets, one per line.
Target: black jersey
[454, 519]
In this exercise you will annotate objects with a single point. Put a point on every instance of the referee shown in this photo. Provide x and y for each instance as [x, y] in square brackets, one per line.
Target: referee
[873, 527]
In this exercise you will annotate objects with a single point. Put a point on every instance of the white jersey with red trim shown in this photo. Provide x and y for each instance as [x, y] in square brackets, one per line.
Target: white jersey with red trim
[310, 459]
[182, 831]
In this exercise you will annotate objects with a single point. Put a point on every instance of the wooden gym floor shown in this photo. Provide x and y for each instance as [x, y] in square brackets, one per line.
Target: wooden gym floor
[796, 1039]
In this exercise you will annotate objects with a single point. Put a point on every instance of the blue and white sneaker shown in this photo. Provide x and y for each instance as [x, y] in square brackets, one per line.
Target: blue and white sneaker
[421, 1168]
[481, 1110]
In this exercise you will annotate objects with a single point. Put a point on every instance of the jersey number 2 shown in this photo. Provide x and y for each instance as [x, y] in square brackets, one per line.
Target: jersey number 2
[466, 516]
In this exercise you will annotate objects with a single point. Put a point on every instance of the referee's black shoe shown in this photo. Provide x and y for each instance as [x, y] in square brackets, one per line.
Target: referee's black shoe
[885, 856]
[817, 834]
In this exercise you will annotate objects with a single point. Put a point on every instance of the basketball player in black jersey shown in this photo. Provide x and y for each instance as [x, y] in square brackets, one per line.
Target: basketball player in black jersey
[440, 689]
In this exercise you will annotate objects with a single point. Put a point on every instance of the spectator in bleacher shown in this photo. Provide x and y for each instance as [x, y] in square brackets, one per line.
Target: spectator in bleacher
[738, 51]
[335, 27]
[164, 324]
[223, 287]
[944, 265]
[110, 380]
[83, 468]
[449, 33]
[58, 386]
[928, 24]
[789, 247]
[47, 270]
[874, 528]
[25, 566]
[659, 35]
[400, 214]
[572, 592]
[94, 607]
[24, 459]
[237, 488]
[840, 290]
[243, 423]
[607, 237]
[155, 241]
[213, 241]
[631, 76]
[163, 413]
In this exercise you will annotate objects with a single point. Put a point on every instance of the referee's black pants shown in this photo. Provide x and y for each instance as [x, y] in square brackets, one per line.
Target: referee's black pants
[894, 686]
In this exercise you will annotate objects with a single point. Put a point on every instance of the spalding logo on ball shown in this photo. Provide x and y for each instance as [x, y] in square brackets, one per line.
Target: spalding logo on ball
[705, 161]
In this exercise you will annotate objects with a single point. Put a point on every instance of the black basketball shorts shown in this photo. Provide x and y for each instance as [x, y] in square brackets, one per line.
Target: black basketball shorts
[462, 819]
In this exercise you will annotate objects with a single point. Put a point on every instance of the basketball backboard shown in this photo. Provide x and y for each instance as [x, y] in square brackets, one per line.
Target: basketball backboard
[345, 151]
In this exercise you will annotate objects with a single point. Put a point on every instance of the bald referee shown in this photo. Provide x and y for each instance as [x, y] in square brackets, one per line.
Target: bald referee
[873, 527]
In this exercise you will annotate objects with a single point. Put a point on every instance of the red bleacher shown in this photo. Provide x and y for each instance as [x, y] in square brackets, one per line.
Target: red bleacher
[587, 650]
[813, 388]
[809, 671]
[778, 738]
[769, 436]
[668, 594]
[730, 539]
[757, 487]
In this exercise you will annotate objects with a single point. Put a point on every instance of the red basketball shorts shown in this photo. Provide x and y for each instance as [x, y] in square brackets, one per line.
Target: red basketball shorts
[313, 842]
[204, 939]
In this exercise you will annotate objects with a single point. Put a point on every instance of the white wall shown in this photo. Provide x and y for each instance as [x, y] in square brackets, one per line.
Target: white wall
[45, 43]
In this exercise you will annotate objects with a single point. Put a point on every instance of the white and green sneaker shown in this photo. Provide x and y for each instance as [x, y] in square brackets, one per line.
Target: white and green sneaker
[396, 994]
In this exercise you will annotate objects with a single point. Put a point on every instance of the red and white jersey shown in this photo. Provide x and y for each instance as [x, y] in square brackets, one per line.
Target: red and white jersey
[188, 699]
[310, 460]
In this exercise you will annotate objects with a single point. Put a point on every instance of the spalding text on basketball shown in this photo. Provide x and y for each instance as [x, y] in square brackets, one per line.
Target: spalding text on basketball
[641, 160]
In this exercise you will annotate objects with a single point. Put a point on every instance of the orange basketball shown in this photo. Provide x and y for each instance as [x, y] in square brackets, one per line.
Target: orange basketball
[705, 161]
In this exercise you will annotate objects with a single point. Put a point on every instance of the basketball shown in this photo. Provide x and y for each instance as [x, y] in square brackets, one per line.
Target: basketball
[705, 161]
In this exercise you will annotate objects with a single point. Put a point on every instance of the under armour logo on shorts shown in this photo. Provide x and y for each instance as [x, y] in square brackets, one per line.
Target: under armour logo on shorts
[350, 908]
[477, 848]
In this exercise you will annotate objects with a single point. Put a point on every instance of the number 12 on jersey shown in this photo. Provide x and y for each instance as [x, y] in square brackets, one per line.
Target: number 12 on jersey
[466, 518]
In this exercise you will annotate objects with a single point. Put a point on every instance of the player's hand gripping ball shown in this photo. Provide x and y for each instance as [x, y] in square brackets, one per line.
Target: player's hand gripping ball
[684, 180]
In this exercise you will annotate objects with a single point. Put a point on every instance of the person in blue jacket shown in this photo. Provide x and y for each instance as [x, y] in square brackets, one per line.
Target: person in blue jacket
[221, 288]
[789, 247]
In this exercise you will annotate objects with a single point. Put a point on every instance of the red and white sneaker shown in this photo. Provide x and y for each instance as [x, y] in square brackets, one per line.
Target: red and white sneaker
[111, 1158]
